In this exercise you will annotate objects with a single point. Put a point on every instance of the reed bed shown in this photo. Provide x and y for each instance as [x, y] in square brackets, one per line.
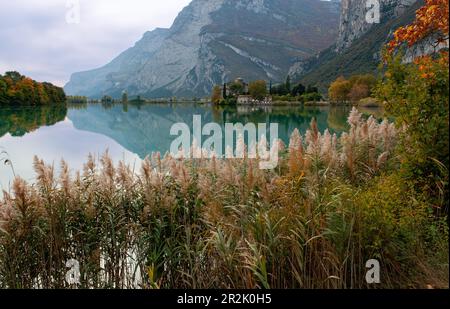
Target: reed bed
[313, 222]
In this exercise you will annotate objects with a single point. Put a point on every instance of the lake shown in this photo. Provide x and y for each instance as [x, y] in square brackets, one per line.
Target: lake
[130, 132]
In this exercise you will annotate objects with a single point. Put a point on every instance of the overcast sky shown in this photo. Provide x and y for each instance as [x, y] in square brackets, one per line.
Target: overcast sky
[42, 39]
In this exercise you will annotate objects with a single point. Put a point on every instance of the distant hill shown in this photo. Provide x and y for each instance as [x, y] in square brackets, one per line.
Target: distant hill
[215, 41]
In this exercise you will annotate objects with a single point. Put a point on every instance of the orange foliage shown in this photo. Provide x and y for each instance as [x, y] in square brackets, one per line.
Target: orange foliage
[426, 65]
[432, 18]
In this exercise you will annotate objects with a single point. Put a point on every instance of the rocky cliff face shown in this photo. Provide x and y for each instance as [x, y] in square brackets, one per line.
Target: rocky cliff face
[214, 41]
[353, 23]
[359, 44]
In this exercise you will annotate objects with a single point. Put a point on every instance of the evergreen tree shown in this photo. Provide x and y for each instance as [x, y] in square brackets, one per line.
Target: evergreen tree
[224, 94]
[124, 97]
[288, 84]
[298, 90]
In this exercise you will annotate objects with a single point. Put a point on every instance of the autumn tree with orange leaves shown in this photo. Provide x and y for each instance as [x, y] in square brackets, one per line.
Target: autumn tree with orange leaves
[417, 94]
[16, 89]
[431, 20]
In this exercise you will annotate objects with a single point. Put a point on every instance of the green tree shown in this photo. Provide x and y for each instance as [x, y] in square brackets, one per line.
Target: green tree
[124, 97]
[77, 99]
[298, 90]
[236, 88]
[258, 89]
[280, 90]
[14, 76]
[312, 89]
[107, 99]
[3, 91]
[224, 92]
[288, 83]
[417, 95]
[311, 97]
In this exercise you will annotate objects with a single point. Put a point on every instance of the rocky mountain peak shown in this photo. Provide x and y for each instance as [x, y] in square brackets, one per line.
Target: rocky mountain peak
[212, 42]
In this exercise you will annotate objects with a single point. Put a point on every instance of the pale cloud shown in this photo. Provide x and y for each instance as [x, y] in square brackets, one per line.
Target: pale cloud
[37, 41]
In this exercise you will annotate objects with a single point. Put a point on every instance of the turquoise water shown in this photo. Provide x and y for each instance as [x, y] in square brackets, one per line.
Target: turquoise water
[129, 132]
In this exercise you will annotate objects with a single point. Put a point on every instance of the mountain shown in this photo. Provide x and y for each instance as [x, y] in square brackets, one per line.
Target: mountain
[215, 41]
[359, 44]
[353, 21]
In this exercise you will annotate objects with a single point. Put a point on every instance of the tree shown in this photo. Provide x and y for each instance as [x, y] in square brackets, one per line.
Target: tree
[431, 19]
[311, 97]
[288, 83]
[18, 89]
[107, 99]
[367, 80]
[77, 99]
[224, 93]
[354, 89]
[14, 76]
[16, 96]
[216, 95]
[339, 90]
[358, 92]
[27, 87]
[3, 91]
[236, 88]
[298, 90]
[258, 89]
[312, 89]
[124, 97]
[279, 90]
[417, 94]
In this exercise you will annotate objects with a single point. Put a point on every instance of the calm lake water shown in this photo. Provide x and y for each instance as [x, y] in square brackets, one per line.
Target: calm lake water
[129, 132]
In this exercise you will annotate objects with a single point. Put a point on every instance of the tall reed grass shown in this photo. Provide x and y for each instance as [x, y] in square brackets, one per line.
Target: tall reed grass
[332, 204]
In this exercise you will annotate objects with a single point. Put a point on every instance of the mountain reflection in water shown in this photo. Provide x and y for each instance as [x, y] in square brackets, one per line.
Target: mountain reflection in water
[128, 131]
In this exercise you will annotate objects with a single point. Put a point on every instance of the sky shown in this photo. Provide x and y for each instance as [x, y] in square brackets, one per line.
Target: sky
[48, 40]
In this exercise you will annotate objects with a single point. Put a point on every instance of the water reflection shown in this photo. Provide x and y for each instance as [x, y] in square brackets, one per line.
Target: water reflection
[18, 120]
[130, 131]
[143, 129]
